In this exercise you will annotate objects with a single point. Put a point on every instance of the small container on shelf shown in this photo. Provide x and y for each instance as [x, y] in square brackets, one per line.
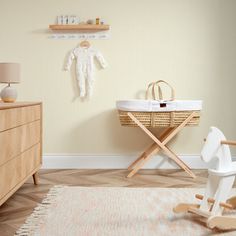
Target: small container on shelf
[70, 20]
[76, 20]
[97, 21]
[65, 20]
[90, 21]
[73, 20]
[59, 20]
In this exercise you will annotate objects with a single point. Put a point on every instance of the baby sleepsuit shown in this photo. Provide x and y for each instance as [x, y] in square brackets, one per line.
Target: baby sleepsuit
[85, 67]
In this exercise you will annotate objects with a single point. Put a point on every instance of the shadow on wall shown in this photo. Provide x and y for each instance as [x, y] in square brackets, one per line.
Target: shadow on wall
[86, 136]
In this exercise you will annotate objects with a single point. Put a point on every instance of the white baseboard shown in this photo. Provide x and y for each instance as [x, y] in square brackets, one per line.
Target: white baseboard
[79, 161]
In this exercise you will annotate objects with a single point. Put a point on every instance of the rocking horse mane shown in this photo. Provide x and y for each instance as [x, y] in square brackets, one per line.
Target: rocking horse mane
[214, 150]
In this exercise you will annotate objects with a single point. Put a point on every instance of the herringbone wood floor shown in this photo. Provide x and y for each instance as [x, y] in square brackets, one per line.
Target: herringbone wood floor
[14, 212]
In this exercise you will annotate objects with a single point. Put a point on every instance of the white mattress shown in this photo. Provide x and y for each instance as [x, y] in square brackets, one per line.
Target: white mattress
[152, 105]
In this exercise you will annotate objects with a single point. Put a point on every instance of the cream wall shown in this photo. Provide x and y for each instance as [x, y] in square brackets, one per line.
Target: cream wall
[190, 43]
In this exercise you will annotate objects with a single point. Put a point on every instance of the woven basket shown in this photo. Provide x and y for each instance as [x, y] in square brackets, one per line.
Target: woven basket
[159, 119]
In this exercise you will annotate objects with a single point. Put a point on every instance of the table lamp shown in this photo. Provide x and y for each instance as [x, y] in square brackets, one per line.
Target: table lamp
[10, 74]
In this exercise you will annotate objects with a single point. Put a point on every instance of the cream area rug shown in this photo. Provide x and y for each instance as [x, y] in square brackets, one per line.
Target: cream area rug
[108, 211]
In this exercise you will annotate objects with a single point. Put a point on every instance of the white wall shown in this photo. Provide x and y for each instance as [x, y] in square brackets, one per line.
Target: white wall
[189, 43]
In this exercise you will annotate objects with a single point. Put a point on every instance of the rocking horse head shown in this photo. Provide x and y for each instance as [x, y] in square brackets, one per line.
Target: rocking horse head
[214, 150]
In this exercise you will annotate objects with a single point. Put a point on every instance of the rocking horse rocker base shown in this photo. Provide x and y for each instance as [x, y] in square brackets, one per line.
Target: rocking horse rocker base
[214, 204]
[221, 222]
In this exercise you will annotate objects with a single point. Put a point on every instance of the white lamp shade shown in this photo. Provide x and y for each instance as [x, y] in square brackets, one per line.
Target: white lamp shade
[9, 73]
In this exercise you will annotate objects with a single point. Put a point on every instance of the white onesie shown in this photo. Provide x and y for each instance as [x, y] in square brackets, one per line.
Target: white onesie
[85, 67]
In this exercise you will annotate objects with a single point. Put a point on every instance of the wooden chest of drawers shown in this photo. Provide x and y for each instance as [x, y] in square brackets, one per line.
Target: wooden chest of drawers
[20, 145]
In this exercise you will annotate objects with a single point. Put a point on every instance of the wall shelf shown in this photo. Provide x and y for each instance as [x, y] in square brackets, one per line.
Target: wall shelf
[80, 27]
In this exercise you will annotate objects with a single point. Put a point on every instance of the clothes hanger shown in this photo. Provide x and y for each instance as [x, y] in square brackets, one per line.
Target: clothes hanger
[85, 43]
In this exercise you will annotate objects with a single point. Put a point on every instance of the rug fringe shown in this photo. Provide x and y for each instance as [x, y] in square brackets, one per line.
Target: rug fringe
[36, 219]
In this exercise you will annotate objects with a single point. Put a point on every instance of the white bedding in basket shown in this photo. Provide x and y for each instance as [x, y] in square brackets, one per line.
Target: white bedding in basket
[152, 105]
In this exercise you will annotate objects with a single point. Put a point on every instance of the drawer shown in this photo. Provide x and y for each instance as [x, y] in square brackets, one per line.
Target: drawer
[14, 117]
[15, 141]
[14, 171]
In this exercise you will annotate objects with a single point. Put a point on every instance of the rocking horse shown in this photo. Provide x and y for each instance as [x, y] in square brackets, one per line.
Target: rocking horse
[219, 184]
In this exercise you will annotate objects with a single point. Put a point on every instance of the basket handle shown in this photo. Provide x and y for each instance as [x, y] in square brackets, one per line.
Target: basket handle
[160, 95]
[153, 91]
